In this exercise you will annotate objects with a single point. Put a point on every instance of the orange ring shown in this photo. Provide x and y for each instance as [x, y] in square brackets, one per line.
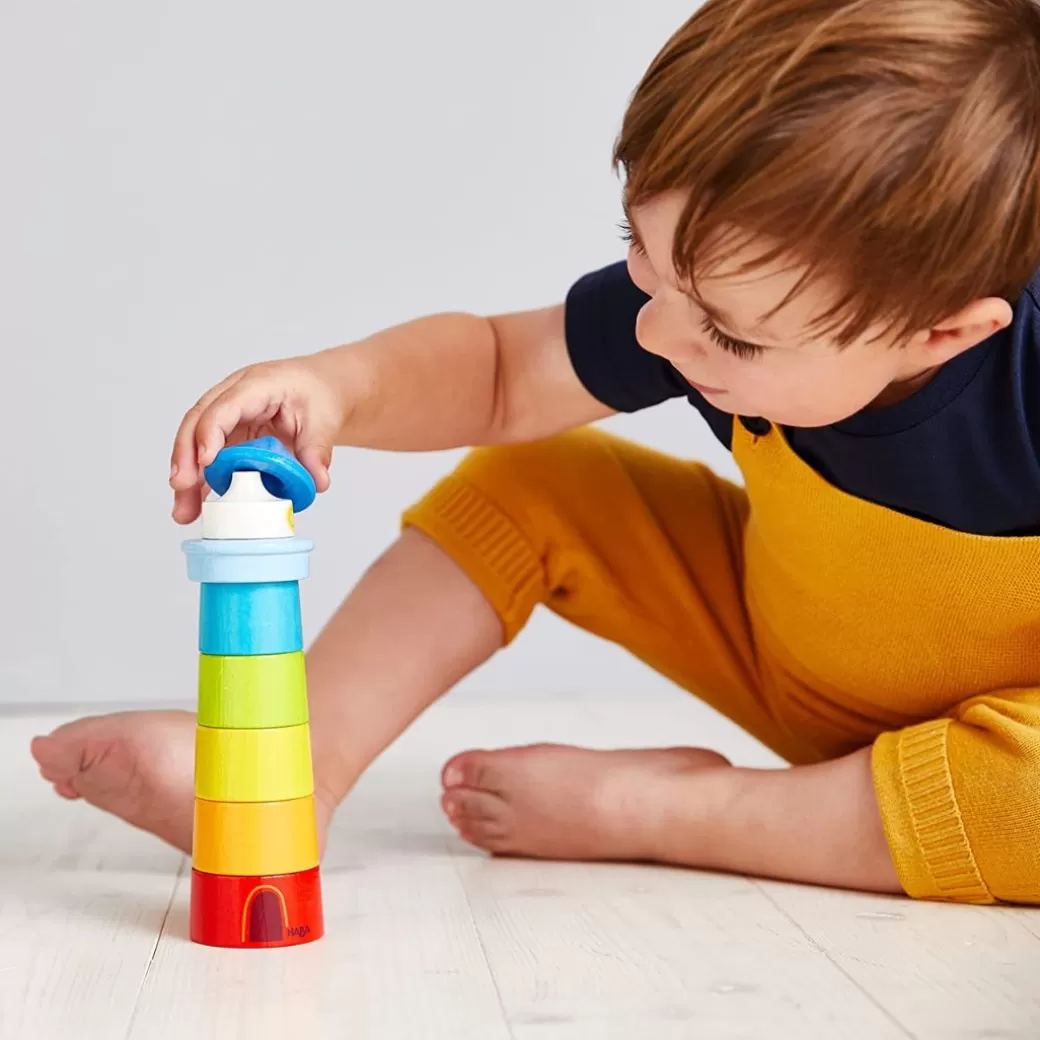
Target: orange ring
[255, 838]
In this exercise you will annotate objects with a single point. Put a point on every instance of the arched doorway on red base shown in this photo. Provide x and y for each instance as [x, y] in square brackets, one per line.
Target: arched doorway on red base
[264, 918]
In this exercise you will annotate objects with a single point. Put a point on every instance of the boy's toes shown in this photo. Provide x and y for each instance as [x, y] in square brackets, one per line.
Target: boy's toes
[465, 805]
[480, 770]
[60, 763]
[486, 837]
[479, 817]
[59, 760]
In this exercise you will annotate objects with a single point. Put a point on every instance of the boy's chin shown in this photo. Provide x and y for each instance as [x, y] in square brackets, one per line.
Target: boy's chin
[794, 418]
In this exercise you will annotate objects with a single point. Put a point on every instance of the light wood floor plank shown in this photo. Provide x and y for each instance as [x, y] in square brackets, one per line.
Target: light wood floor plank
[944, 972]
[598, 952]
[82, 899]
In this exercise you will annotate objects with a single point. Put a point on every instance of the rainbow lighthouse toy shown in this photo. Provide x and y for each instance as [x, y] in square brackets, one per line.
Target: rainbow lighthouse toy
[254, 879]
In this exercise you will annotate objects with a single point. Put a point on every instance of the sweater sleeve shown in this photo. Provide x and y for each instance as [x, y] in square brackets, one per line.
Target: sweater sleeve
[960, 800]
[601, 313]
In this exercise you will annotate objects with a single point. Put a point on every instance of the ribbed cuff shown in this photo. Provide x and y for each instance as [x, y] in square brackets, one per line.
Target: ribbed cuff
[487, 545]
[922, 821]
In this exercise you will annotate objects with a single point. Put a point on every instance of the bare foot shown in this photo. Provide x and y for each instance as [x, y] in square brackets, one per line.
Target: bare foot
[555, 802]
[139, 765]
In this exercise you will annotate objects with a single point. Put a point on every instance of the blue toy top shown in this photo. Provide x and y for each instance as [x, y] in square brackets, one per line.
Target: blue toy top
[278, 468]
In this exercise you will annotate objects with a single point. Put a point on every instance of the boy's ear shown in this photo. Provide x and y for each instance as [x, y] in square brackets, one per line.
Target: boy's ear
[972, 324]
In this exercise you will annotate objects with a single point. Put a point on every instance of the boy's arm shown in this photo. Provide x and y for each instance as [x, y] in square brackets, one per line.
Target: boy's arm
[445, 381]
[453, 380]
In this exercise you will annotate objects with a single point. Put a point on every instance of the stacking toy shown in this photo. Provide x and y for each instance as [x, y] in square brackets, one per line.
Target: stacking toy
[254, 879]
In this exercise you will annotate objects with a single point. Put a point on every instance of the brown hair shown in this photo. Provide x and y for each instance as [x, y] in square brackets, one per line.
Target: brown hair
[891, 145]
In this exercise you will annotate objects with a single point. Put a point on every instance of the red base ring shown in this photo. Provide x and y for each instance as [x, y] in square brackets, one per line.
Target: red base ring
[252, 912]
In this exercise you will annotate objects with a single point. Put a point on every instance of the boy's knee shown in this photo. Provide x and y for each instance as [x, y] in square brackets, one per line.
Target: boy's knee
[499, 513]
[551, 467]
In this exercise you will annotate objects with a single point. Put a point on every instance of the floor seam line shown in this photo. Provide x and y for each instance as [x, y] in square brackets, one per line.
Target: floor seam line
[826, 953]
[155, 947]
[480, 940]
[1021, 921]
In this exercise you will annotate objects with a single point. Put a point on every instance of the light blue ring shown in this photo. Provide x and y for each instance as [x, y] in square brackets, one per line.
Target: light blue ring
[251, 560]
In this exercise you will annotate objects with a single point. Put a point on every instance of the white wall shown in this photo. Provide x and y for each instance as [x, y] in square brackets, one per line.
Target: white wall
[187, 187]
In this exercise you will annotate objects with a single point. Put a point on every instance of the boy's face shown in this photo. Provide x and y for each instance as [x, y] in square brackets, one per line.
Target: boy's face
[721, 341]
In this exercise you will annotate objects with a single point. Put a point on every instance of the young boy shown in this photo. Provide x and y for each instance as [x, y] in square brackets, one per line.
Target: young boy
[834, 212]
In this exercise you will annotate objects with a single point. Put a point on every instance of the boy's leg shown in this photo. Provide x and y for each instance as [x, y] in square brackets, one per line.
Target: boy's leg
[413, 626]
[643, 550]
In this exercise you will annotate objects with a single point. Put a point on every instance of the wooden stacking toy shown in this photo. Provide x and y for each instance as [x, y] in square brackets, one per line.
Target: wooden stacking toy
[254, 880]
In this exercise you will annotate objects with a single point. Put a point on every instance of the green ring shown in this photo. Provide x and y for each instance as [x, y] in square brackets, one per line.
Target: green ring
[264, 691]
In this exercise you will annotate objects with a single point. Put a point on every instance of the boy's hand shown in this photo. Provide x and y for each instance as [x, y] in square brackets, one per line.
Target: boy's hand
[293, 400]
[445, 381]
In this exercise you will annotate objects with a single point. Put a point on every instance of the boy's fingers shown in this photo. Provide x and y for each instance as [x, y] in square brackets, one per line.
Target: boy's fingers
[187, 504]
[184, 472]
[246, 402]
[317, 458]
[184, 464]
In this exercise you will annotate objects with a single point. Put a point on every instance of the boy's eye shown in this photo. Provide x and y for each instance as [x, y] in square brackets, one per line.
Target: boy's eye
[737, 347]
[628, 236]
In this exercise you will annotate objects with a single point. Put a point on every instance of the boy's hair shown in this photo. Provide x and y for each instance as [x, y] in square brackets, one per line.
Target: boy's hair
[890, 145]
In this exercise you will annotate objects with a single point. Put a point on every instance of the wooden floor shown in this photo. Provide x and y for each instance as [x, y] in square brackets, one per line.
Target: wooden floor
[428, 939]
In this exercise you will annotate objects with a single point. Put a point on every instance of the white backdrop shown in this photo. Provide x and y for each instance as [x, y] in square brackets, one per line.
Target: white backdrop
[188, 187]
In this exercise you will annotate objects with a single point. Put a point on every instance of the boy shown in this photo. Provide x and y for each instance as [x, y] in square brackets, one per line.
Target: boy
[834, 213]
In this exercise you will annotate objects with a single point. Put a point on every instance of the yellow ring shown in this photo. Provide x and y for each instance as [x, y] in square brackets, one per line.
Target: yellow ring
[253, 765]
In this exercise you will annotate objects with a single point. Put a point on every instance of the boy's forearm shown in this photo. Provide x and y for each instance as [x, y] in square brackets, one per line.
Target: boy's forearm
[426, 385]
[817, 824]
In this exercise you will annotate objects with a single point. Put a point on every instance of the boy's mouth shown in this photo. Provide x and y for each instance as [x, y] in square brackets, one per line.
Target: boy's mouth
[701, 389]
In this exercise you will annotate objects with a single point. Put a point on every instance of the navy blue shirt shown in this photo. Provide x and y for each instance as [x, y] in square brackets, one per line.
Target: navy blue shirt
[962, 452]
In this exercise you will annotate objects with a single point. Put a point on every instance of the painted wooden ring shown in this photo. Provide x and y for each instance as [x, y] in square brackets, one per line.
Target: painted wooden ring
[282, 474]
[252, 692]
